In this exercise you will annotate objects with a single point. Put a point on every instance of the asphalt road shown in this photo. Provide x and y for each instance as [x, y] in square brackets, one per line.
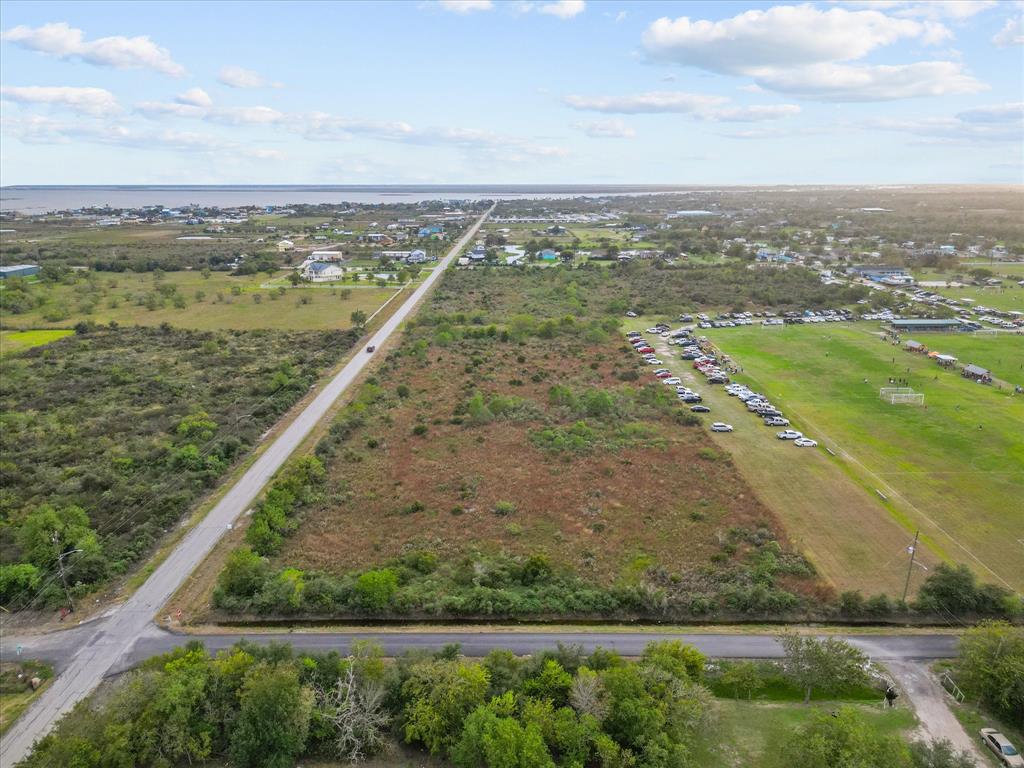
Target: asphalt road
[528, 641]
[105, 643]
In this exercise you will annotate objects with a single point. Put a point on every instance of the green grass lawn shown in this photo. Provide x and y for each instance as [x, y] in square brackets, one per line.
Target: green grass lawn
[227, 302]
[747, 733]
[1003, 354]
[955, 468]
[12, 342]
[1006, 298]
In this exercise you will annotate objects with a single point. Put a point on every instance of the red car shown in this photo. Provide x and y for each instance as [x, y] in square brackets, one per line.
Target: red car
[645, 350]
[664, 374]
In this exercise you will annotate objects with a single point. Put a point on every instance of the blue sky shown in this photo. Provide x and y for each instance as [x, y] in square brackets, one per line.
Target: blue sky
[482, 91]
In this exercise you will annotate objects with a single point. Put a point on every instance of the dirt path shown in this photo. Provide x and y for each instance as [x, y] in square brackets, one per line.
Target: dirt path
[931, 703]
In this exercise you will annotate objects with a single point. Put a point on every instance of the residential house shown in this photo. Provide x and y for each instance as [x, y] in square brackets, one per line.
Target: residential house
[322, 272]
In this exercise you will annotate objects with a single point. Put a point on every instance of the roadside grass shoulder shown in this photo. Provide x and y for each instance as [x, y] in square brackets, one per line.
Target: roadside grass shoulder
[748, 733]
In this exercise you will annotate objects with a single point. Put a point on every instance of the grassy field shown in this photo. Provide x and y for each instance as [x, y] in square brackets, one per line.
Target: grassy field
[1009, 297]
[221, 301]
[821, 502]
[954, 469]
[12, 342]
[747, 733]
[1003, 354]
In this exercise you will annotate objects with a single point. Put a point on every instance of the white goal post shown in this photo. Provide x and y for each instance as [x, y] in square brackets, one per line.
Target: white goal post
[901, 396]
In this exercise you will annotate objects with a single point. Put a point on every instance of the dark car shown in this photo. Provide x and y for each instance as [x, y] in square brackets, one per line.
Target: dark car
[371, 348]
[700, 409]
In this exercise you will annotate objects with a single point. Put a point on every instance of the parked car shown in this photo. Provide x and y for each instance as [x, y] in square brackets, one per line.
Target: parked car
[805, 442]
[631, 313]
[664, 375]
[672, 380]
[789, 434]
[719, 426]
[776, 421]
[1002, 748]
[700, 409]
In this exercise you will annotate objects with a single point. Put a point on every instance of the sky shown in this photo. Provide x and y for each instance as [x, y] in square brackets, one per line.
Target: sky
[488, 92]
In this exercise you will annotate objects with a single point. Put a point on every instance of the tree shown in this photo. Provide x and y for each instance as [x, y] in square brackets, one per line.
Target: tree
[492, 738]
[354, 707]
[439, 696]
[829, 665]
[273, 720]
[955, 589]
[743, 677]
[50, 533]
[587, 694]
[842, 739]
[991, 667]
[374, 589]
[294, 278]
[358, 318]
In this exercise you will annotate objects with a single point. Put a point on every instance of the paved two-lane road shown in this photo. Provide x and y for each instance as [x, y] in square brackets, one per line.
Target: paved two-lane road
[105, 643]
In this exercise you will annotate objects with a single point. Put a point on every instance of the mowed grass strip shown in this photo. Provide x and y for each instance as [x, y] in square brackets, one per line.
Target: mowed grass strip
[227, 303]
[749, 733]
[12, 342]
[835, 520]
[954, 468]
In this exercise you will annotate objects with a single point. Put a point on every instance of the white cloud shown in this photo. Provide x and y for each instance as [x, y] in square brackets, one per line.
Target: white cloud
[839, 82]
[239, 77]
[1012, 112]
[606, 129]
[320, 126]
[465, 6]
[563, 9]
[245, 116]
[66, 42]
[196, 103]
[1012, 33]
[155, 109]
[953, 130]
[645, 103]
[196, 97]
[86, 101]
[782, 36]
[801, 50]
[699, 105]
[956, 10]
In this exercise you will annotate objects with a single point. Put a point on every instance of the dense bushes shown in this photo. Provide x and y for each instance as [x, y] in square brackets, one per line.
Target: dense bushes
[123, 429]
[419, 584]
[991, 668]
[295, 486]
[264, 707]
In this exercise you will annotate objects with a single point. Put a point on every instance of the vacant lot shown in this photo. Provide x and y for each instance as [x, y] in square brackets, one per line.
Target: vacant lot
[955, 468]
[132, 426]
[497, 452]
[189, 299]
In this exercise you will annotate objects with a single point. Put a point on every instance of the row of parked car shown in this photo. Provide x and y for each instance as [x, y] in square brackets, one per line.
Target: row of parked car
[760, 406]
[684, 393]
[699, 351]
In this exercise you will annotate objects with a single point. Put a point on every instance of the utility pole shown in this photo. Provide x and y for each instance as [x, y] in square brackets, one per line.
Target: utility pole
[55, 538]
[910, 566]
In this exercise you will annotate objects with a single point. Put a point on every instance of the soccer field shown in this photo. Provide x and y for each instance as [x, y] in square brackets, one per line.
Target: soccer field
[954, 468]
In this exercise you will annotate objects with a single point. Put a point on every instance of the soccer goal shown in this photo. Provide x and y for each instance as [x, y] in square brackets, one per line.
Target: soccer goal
[901, 396]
